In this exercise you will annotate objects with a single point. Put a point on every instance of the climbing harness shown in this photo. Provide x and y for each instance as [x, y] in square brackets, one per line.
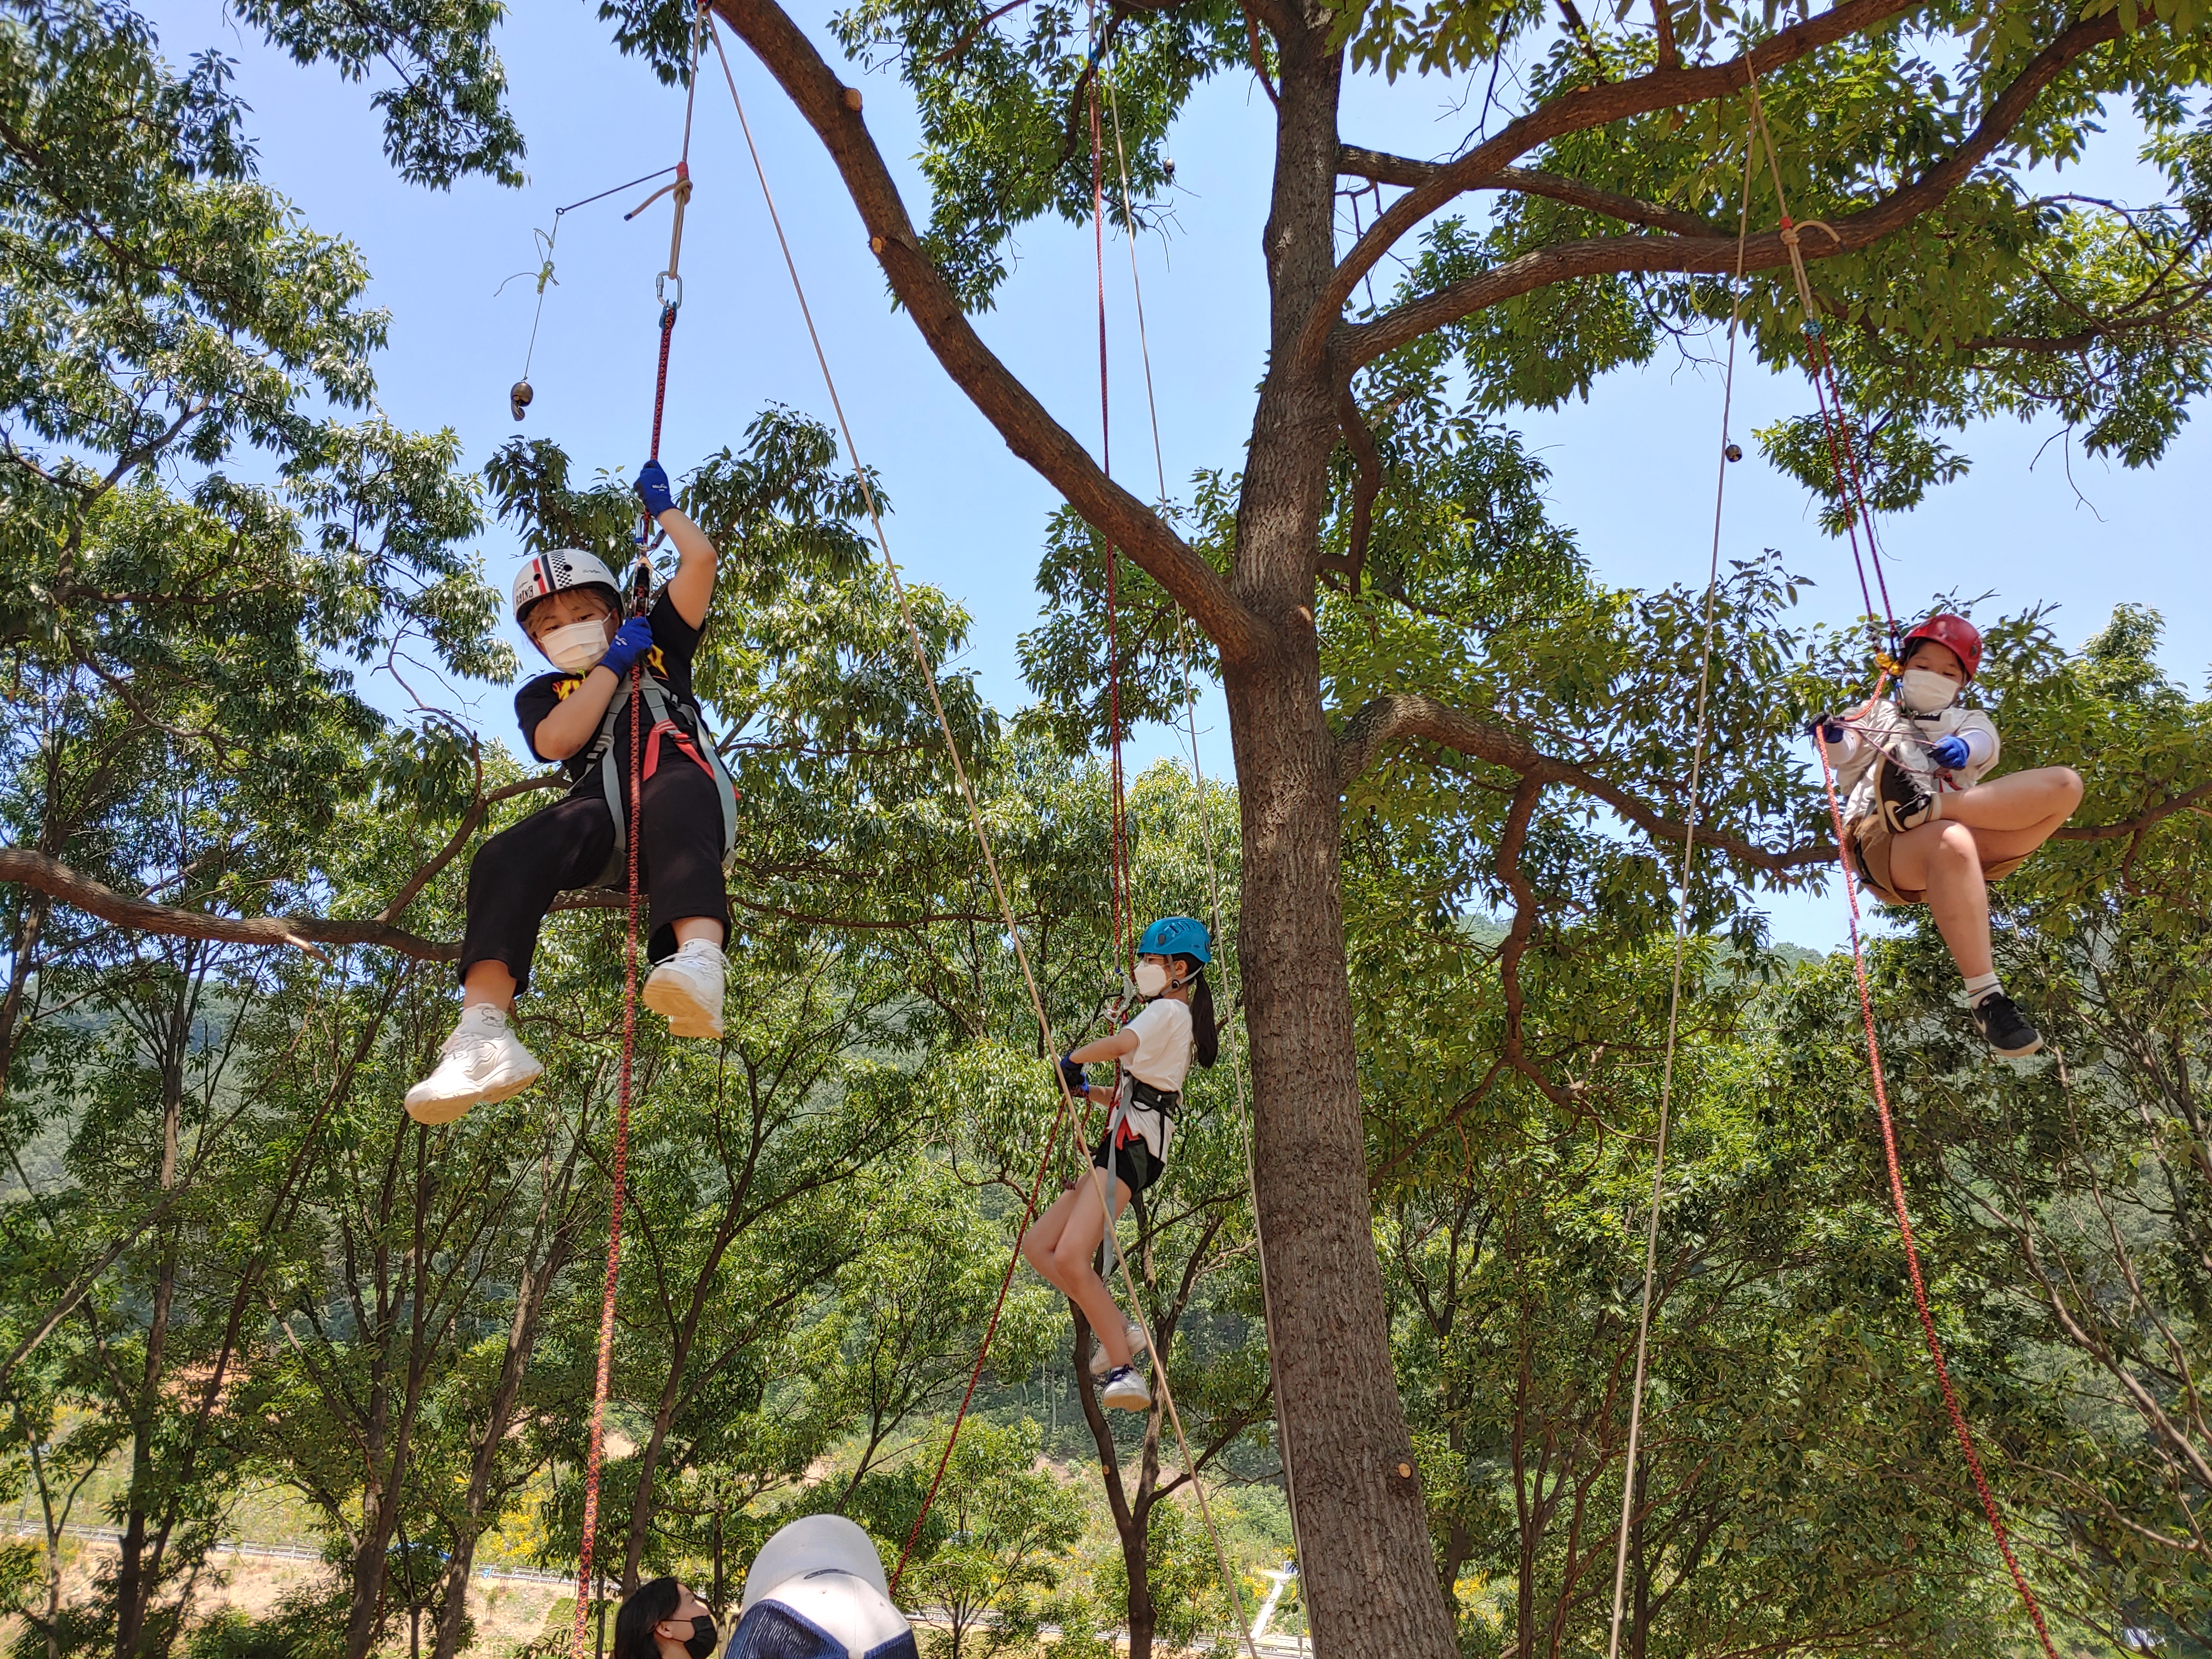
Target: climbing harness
[682, 726]
[927, 673]
[1728, 452]
[595, 1445]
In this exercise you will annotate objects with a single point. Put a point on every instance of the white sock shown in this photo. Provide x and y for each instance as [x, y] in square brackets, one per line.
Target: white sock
[1980, 989]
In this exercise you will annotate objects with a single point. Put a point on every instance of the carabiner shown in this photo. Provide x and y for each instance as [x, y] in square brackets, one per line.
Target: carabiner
[660, 287]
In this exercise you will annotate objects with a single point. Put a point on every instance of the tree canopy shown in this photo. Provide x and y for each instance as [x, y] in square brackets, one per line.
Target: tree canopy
[1446, 862]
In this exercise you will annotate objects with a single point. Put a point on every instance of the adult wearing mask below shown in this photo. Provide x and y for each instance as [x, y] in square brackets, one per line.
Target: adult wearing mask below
[1921, 825]
[579, 717]
[662, 1619]
[816, 1591]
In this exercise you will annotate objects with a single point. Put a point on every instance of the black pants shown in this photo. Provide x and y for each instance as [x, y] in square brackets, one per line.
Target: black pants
[516, 874]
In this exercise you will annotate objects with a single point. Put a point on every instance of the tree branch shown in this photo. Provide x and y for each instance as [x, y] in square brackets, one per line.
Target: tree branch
[1578, 110]
[1395, 718]
[482, 804]
[2141, 821]
[1612, 255]
[1366, 486]
[25, 868]
[1029, 430]
[1354, 161]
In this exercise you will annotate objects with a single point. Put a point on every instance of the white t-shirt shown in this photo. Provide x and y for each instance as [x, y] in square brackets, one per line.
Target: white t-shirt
[1162, 1059]
[1882, 728]
[1163, 1041]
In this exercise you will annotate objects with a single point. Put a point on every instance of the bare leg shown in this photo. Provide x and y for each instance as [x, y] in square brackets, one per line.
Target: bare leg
[692, 928]
[2022, 809]
[1944, 860]
[1059, 1245]
[488, 982]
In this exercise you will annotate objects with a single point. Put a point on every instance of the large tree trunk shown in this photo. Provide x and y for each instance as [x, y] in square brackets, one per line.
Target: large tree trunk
[1369, 1572]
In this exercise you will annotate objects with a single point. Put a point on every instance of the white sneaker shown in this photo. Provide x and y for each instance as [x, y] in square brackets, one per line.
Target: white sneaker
[1125, 1390]
[1099, 1363]
[482, 1061]
[687, 990]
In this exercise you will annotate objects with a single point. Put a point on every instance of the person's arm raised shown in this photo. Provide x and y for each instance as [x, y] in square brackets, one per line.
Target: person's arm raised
[691, 589]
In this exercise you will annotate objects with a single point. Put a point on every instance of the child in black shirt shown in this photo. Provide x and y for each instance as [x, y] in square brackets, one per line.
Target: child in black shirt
[570, 604]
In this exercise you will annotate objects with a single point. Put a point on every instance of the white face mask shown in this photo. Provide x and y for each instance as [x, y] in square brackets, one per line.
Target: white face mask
[573, 648]
[1926, 692]
[1152, 979]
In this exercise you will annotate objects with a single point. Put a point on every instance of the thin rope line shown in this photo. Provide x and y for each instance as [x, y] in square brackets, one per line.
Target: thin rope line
[967, 788]
[1843, 457]
[1137, 288]
[1628, 1480]
[1958, 1425]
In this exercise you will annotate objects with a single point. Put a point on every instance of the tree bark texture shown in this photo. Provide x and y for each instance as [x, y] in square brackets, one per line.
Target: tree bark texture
[1368, 1569]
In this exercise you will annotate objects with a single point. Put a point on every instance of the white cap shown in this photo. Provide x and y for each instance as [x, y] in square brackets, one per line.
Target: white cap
[820, 1580]
[812, 1544]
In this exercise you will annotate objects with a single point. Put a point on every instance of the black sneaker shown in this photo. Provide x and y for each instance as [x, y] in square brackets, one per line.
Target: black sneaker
[2003, 1027]
[1903, 803]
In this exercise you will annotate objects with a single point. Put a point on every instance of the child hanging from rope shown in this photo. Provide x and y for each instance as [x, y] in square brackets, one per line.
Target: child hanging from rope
[570, 604]
[1155, 1049]
[1921, 825]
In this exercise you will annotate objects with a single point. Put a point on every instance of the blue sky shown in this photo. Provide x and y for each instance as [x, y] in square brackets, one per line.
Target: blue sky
[1632, 470]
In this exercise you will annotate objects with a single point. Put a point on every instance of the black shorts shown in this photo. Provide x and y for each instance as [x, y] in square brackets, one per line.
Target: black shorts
[1133, 1165]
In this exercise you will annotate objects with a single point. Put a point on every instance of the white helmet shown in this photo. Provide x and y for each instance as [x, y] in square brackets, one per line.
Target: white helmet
[557, 572]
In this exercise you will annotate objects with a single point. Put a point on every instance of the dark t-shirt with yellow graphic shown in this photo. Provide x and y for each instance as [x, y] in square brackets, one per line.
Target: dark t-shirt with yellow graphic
[674, 643]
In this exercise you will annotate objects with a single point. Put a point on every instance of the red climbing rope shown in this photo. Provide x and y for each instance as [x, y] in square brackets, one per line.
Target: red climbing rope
[1965, 1434]
[595, 1444]
[1843, 460]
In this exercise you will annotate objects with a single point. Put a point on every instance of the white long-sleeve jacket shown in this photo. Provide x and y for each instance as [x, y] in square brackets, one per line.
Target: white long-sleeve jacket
[1881, 727]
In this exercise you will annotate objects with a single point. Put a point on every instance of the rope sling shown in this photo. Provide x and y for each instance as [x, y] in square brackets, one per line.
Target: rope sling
[1849, 488]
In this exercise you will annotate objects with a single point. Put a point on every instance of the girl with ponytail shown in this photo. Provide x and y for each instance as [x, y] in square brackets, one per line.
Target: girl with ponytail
[1155, 1050]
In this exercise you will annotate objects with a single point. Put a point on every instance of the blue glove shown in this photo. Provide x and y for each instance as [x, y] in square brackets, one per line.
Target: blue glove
[1950, 753]
[632, 640]
[1072, 1075]
[652, 490]
[1828, 728]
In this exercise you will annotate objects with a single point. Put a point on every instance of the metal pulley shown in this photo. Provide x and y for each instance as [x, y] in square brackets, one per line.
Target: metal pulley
[518, 397]
[1734, 452]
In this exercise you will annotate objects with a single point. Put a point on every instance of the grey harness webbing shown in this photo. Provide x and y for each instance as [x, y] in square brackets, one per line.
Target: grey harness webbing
[664, 712]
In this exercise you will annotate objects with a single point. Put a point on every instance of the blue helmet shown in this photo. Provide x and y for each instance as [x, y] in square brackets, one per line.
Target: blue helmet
[1176, 936]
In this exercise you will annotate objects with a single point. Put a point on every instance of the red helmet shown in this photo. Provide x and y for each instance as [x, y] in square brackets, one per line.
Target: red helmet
[1955, 634]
